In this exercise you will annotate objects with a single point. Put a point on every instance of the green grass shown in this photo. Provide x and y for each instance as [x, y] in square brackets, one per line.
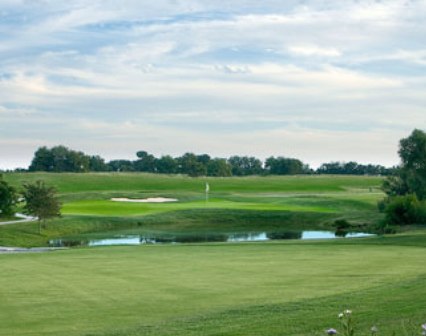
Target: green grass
[274, 203]
[275, 288]
[211, 289]
[115, 182]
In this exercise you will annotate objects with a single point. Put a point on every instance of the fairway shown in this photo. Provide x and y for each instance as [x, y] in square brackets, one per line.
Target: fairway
[271, 204]
[96, 291]
[212, 168]
[272, 288]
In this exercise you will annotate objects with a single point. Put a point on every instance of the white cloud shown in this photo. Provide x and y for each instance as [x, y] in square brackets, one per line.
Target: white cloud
[312, 50]
[314, 74]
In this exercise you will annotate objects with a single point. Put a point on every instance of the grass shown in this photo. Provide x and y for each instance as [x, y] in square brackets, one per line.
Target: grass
[116, 182]
[209, 289]
[273, 203]
[274, 288]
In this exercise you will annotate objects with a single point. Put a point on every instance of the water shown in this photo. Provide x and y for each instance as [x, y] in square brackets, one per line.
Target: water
[198, 238]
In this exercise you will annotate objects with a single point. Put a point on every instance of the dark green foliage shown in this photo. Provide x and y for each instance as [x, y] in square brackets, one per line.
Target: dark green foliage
[218, 167]
[190, 165]
[146, 162]
[407, 189]
[285, 166]
[405, 210]
[244, 165]
[41, 201]
[97, 164]
[59, 159]
[341, 224]
[121, 166]
[411, 175]
[8, 198]
[167, 165]
[395, 186]
[63, 159]
[353, 168]
[412, 151]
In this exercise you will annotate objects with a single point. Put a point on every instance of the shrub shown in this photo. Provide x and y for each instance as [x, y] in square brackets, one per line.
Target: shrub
[405, 210]
[341, 224]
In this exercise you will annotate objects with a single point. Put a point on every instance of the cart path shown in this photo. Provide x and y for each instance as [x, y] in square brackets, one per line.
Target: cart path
[8, 250]
[24, 219]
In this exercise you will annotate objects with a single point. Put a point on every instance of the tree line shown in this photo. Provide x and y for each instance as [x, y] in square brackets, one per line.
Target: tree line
[63, 159]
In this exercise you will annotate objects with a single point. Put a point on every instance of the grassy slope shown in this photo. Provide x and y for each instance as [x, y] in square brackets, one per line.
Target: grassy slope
[279, 288]
[213, 289]
[103, 182]
[286, 201]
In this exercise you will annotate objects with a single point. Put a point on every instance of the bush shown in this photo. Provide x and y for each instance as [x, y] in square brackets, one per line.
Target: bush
[341, 224]
[405, 210]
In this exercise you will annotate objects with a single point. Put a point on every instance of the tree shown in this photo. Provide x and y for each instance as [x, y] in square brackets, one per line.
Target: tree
[59, 159]
[8, 198]
[190, 165]
[42, 161]
[285, 166]
[406, 191]
[121, 166]
[410, 177]
[218, 167]
[412, 151]
[41, 202]
[146, 162]
[244, 165]
[404, 210]
[167, 165]
[97, 164]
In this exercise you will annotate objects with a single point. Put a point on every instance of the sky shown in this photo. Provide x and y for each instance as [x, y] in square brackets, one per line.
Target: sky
[315, 80]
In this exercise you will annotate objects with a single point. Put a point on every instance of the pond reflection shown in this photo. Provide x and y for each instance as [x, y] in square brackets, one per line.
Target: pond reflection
[199, 238]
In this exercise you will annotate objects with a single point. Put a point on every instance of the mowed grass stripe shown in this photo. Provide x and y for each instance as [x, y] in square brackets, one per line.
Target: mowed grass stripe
[90, 182]
[94, 290]
[111, 208]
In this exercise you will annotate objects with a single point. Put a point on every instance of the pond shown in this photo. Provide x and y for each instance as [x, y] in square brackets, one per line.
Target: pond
[198, 238]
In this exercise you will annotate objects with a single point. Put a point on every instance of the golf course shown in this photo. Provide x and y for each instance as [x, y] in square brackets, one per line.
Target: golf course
[199, 266]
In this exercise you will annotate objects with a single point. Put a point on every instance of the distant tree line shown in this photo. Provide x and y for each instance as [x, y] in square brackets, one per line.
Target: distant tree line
[63, 159]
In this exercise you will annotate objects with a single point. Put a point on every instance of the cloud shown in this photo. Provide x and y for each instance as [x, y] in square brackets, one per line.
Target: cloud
[173, 75]
[312, 50]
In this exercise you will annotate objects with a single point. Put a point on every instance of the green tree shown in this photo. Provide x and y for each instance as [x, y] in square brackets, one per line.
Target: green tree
[410, 177]
[42, 161]
[97, 164]
[8, 198]
[218, 167]
[285, 166]
[244, 165]
[41, 201]
[146, 162]
[167, 165]
[404, 210]
[60, 159]
[412, 151]
[190, 165]
[406, 200]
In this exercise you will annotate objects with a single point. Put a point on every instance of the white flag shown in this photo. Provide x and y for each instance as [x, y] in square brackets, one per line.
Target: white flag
[207, 187]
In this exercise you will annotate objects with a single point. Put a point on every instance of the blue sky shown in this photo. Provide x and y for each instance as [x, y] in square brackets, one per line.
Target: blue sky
[313, 79]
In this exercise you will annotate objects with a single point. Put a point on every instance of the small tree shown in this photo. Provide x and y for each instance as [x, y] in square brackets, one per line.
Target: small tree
[8, 198]
[41, 202]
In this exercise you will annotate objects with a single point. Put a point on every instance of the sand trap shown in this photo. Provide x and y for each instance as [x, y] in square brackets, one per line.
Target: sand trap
[145, 200]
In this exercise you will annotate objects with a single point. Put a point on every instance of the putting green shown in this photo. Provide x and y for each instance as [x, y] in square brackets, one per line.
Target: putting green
[110, 208]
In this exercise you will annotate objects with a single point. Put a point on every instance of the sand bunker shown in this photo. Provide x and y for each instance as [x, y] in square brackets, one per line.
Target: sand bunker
[145, 200]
